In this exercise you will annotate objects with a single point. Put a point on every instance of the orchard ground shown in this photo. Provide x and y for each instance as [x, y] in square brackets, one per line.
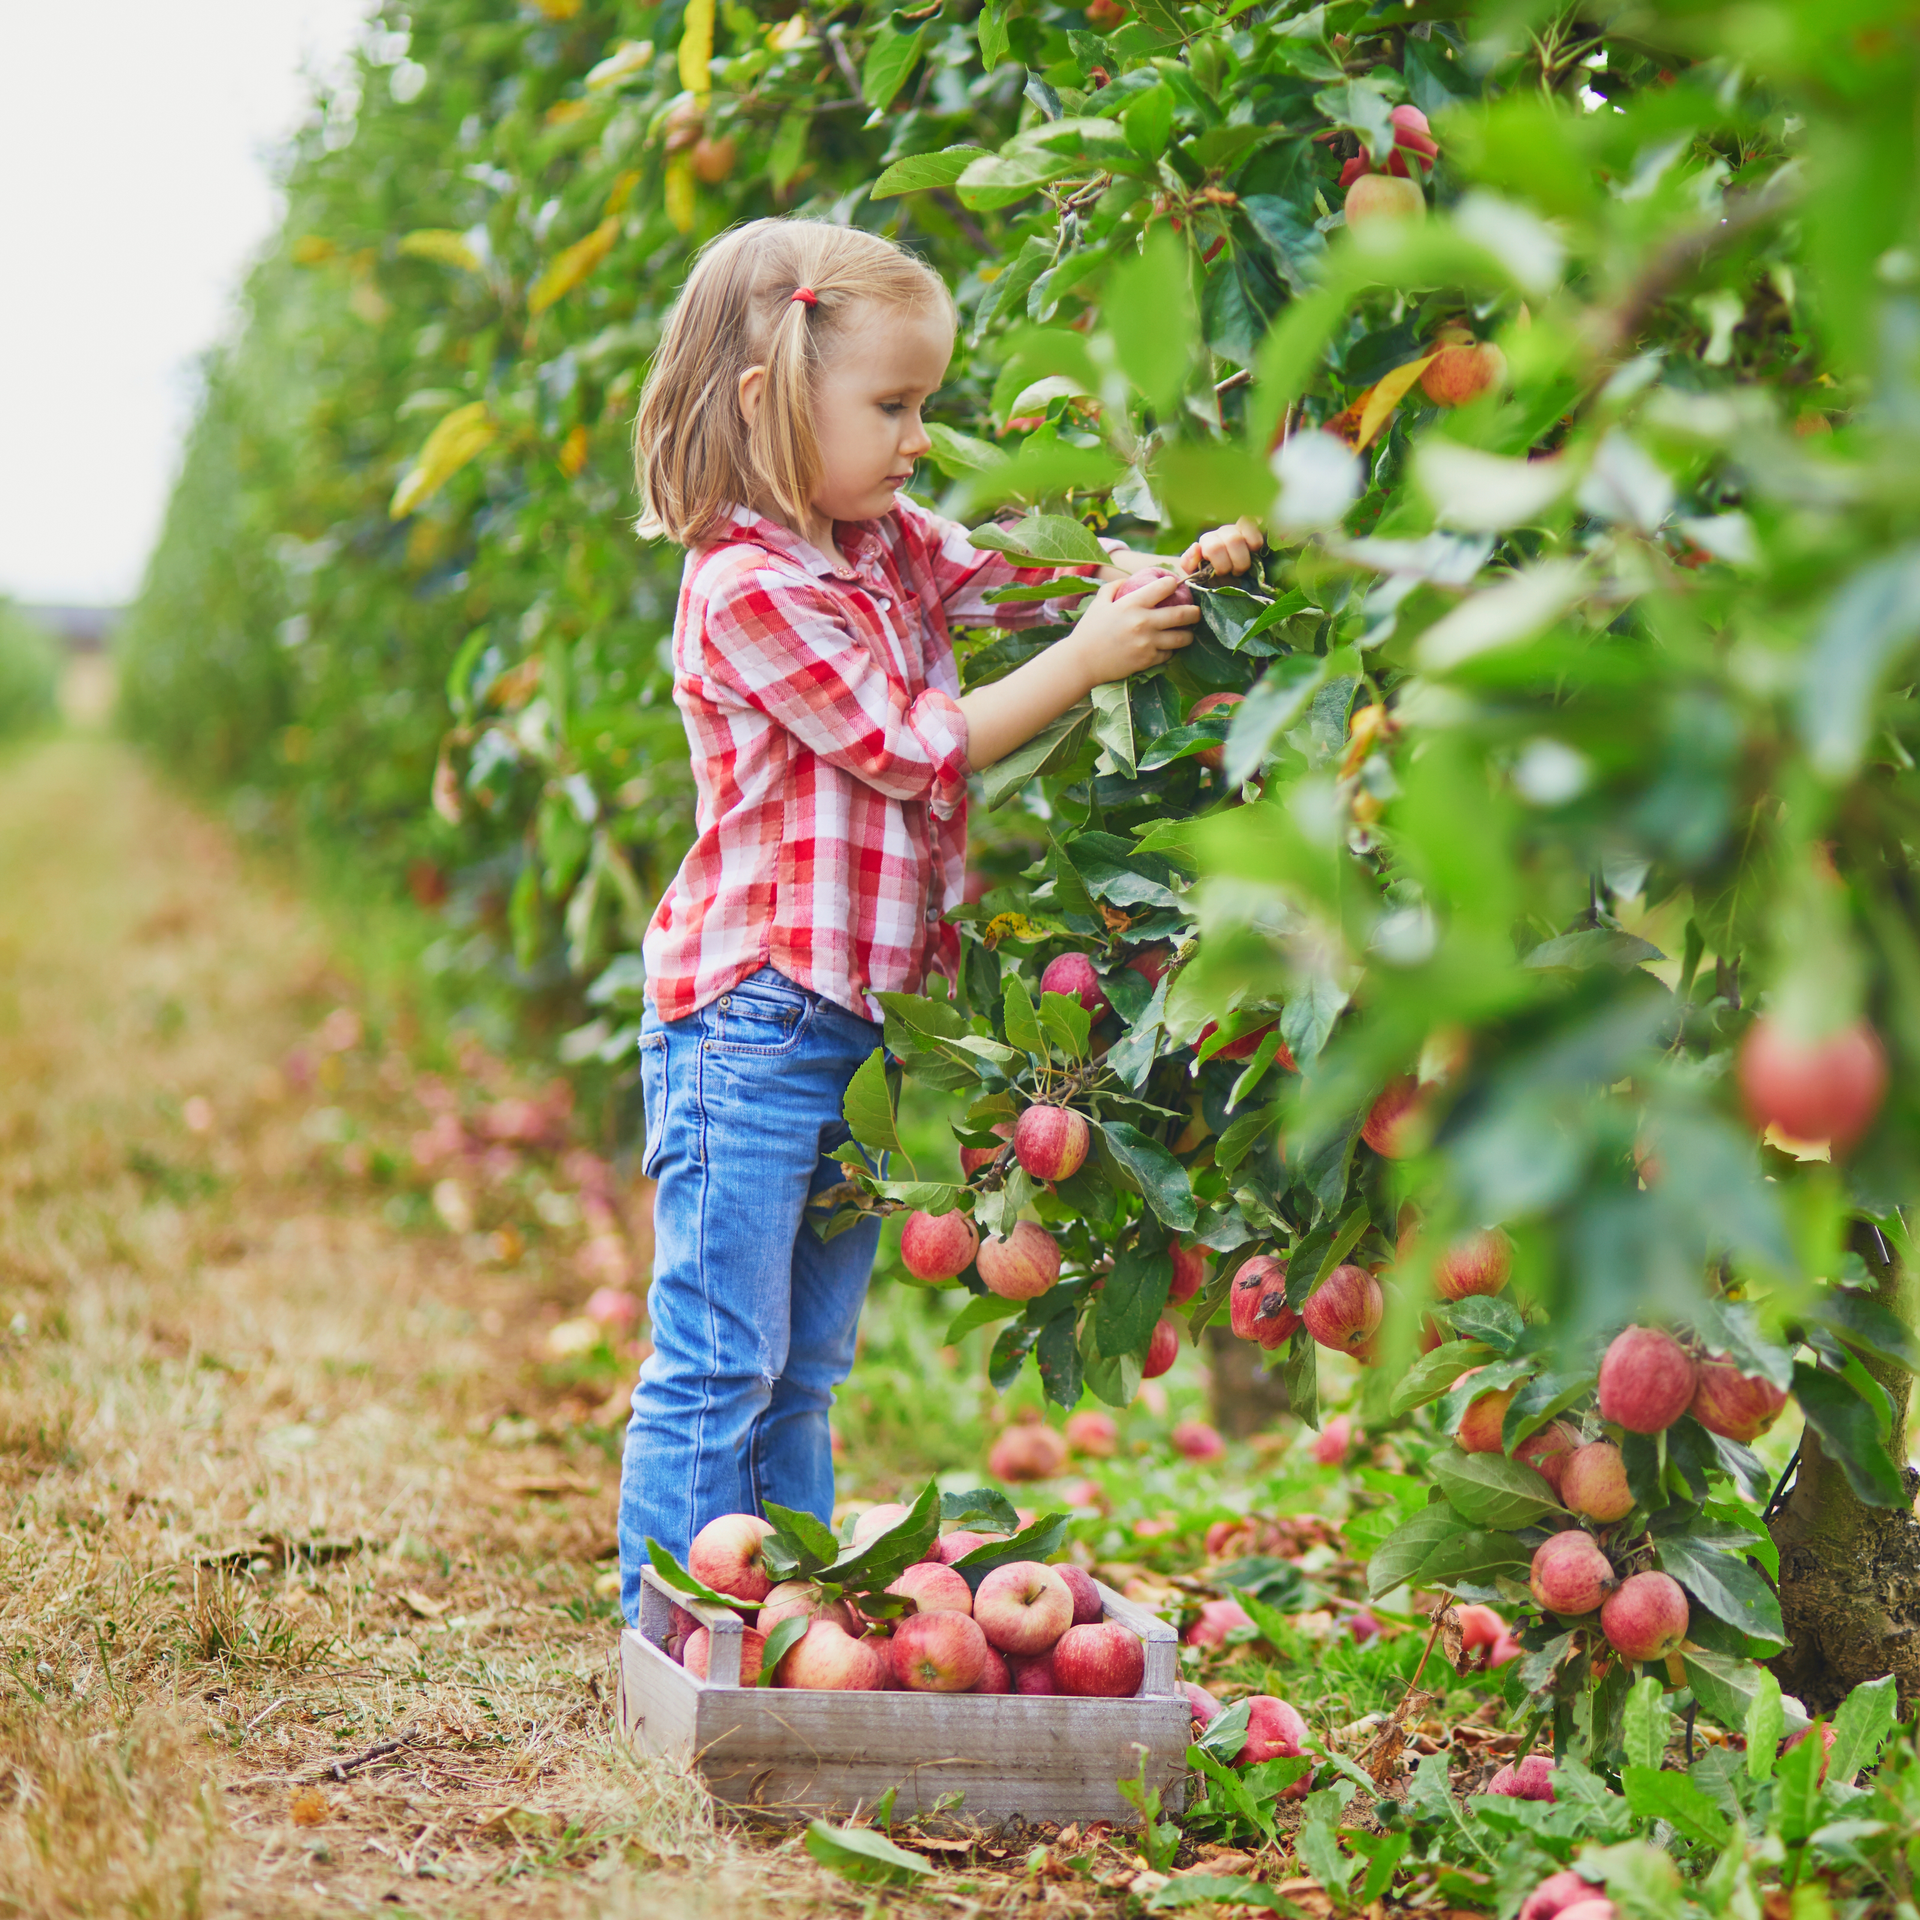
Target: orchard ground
[306, 1461]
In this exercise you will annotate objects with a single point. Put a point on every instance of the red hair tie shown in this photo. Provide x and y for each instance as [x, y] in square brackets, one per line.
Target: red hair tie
[806, 296]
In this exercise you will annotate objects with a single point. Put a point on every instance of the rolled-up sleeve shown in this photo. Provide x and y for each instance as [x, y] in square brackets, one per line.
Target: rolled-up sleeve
[774, 641]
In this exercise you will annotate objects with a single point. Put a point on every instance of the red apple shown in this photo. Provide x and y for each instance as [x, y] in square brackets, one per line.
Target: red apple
[1197, 1441]
[827, 1659]
[753, 1649]
[934, 1588]
[1555, 1894]
[1330, 1444]
[1345, 1309]
[725, 1556]
[994, 1675]
[1826, 1089]
[1094, 1432]
[1180, 596]
[1033, 1673]
[801, 1599]
[1214, 758]
[938, 1246]
[1162, 1350]
[1257, 1306]
[1023, 1265]
[1051, 1142]
[1737, 1406]
[1479, 1429]
[972, 1159]
[1246, 1046]
[1647, 1380]
[1023, 1607]
[1594, 1482]
[938, 1653]
[1528, 1779]
[1462, 372]
[1479, 1263]
[1028, 1453]
[1189, 1274]
[1396, 1124]
[1547, 1451]
[1203, 1706]
[1570, 1574]
[955, 1546]
[1275, 1731]
[1087, 1604]
[1100, 1662]
[1217, 1619]
[1645, 1617]
[1151, 964]
[1072, 973]
[1480, 1627]
[1365, 1625]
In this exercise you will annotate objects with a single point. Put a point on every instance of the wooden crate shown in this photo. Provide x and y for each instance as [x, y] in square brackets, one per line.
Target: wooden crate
[787, 1752]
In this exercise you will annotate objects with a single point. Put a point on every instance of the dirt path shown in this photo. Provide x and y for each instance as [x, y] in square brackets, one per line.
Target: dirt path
[283, 1487]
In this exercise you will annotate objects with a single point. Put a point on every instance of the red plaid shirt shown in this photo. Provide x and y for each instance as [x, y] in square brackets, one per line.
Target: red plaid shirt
[830, 757]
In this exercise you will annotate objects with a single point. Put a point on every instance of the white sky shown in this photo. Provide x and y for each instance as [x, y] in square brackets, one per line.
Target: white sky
[134, 189]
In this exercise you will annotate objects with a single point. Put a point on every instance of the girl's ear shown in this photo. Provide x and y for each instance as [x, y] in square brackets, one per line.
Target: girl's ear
[753, 386]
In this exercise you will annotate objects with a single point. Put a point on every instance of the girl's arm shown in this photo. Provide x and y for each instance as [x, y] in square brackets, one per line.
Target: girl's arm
[1112, 640]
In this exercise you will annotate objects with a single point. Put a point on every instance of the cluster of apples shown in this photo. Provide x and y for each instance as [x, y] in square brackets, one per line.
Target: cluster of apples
[1395, 193]
[1647, 1381]
[1030, 1628]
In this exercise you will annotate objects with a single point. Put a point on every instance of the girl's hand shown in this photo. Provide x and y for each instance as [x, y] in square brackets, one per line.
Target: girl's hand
[1225, 549]
[1116, 638]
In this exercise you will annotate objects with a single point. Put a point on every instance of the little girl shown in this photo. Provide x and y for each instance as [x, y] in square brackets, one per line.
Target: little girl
[813, 662]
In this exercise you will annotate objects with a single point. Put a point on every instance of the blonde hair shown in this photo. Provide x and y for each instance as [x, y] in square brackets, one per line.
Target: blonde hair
[694, 454]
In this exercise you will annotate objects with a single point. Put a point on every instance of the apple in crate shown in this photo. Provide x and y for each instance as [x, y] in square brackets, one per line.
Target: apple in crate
[1100, 1662]
[938, 1653]
[726, 1555]
[1023, 1607]
[828, 1659]
[934, 1588]
[1087, 1606]
[753, 1649]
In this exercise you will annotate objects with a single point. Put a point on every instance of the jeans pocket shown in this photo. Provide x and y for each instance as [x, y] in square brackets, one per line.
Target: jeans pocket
[759, 1017]
[653, 1094]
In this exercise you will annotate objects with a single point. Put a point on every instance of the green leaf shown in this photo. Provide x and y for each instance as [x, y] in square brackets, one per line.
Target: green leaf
[1226, 1732]
[1057, 1354]
[1872, 622]
[1067, 1022]
[1113, 722]
[1593, 947]
[1407, 1549]
[1491, 1491]
[681, 1581]
[785, 1633]
[789, 146]
[1645, 1724]
[873, 1566]
[1162, 1180]
[1243, 1135]
[858, 1853]
[1433, 1373]
[805, 1541]
[1127, 1307]
[869, 1108]
[1765, 1722]
[891, 57]
[911, 175]
[1022, 1024]
[1041, 1541]
[986, 1508]
[1849, 1430]
[1495, 1321]
[1723, 1684]
[1010, 1352]
[1147, 311]
[1675, 1798]
[979, 1312]
[1796, 1788]
[1274, 706]
[992, 28]
[1862, 1322]
[1042, 540]
[1860, 1728]
[1051, 750]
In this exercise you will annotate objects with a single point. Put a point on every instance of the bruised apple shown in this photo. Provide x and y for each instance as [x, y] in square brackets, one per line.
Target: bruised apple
[1257, 1307]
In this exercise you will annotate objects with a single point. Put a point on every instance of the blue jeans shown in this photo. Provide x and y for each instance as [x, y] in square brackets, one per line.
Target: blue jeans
[753, 1317]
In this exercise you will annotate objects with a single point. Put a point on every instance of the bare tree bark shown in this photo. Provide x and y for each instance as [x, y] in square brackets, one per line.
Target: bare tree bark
[1850, 1573]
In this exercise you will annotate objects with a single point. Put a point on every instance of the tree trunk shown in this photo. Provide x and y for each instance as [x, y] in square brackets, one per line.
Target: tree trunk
[1247, 1399]
[1850, 1573]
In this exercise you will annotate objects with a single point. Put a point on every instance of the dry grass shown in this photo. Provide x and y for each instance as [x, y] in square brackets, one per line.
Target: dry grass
[254, 1430]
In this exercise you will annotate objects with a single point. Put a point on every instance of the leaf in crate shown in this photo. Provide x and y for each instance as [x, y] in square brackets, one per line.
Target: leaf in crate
[809, 1543]
[1491, 1491]
[1160, 1178]
[680, 1580]
[986, 1509]
[1433, 1373]
[979, 1313]
[869, 1108]
[1041, 1541]
[1860, 1728]
[874, 1565]
[858, 1853]
[785, 1633]
[1675, 1798]
[1849, 1430]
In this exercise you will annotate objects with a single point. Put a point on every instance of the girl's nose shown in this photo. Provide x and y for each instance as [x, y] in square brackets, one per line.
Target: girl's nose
[916, 440]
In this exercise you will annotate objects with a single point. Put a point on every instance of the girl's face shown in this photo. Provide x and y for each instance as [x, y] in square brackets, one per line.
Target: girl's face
[884, 365]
